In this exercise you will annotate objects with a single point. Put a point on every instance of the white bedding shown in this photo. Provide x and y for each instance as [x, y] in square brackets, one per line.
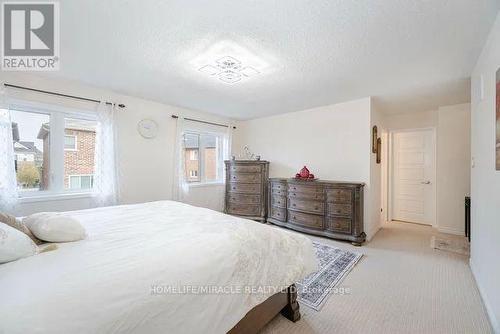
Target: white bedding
[113, 281]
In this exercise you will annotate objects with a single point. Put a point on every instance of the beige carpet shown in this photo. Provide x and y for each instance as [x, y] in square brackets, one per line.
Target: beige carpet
[401, 285]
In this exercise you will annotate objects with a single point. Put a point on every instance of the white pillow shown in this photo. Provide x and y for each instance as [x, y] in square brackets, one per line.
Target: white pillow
[14, 244]
[55, 227]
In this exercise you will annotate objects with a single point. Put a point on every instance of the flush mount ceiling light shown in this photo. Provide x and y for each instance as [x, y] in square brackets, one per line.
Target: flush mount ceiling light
[229, 63]
[229, 70]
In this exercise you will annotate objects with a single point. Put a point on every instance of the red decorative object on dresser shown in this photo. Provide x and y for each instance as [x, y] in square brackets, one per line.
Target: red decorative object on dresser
[304, 174]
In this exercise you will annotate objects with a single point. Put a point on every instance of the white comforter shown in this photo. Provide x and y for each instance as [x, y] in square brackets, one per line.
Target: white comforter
[118, 279]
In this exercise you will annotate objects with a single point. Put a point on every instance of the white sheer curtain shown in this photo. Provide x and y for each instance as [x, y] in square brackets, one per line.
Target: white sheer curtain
[228, 140]
[8, 182]
[106, 156]
[180, 188]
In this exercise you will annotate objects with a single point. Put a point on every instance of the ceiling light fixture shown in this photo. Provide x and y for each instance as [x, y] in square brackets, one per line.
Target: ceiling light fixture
[229, 70]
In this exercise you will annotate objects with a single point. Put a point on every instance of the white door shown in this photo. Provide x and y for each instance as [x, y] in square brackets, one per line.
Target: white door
[413, 176]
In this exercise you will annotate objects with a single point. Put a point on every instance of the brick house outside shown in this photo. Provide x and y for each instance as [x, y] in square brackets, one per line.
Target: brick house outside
[79, 151]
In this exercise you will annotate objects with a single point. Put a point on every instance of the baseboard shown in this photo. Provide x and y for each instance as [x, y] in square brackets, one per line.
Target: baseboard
[450, 231]
[371, 233]
[491, 315]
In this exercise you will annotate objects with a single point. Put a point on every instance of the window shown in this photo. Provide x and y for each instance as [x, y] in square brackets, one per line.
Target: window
[54, 151]
[70, 143]
[203, 157]
[79, 162]
[81, 181]
[30, 152]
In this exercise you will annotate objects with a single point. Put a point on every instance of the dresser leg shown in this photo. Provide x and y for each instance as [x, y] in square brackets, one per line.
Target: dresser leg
[357, 244]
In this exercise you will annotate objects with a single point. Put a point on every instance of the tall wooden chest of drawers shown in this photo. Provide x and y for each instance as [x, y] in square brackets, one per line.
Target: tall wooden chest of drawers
[327, 208]
[246, 189]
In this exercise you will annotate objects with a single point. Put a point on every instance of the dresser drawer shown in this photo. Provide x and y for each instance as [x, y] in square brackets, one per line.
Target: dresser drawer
[243, 209]
[307, 195]
[339, 195]
[279, 201]
[244, 188]
[305, 220]
[278, 192]
[278, 185]
[339, 225]
[310, 206]
[245, 177]
[244, 198]
[278, 213]
[302, 188]
[339, 209]
[245, 169]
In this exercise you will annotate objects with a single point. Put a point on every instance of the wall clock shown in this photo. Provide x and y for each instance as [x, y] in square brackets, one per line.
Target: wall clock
[148, 128]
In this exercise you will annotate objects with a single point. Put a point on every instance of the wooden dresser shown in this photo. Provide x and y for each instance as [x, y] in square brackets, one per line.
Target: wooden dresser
[246, 189]
[327, 208]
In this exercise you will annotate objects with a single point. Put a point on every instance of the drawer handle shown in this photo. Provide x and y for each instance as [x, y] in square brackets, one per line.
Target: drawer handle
[293, 204]
[294, 217]
[234, 188]
[278, 214]
[316, 208]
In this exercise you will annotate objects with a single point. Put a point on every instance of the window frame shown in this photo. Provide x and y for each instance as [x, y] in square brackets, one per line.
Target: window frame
[201, 158]
[57, 116]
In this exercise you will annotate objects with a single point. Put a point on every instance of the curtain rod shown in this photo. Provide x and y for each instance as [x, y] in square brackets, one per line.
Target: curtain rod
[60, 94]
[204, 122]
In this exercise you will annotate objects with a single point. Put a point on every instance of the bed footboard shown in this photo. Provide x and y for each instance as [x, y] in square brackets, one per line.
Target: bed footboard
[284, 302]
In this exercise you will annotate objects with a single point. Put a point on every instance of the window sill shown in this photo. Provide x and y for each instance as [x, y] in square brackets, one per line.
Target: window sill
[206, 184]
[53, 197]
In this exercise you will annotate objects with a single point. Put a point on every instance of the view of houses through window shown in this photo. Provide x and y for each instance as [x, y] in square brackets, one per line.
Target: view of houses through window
[34, 151]
[79, 153]
[28, 149]
[202, 155]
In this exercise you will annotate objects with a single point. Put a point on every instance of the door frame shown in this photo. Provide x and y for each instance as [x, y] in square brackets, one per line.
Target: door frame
[390, 191]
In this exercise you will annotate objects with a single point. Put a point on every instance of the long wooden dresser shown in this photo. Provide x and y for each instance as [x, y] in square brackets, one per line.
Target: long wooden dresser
[246, 189]
[327, 208]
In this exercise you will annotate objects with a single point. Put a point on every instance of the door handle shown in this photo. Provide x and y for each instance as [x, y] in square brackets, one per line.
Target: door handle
[426, 182]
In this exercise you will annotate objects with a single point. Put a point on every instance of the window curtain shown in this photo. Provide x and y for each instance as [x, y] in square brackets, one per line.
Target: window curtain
[106, 191]
[228, 139]
[8, 183]
[180, 185]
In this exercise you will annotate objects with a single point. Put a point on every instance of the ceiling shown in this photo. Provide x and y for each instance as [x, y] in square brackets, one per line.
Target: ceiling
[411, 55]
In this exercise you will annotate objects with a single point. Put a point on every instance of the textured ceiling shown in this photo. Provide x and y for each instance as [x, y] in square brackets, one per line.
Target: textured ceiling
[409, 54]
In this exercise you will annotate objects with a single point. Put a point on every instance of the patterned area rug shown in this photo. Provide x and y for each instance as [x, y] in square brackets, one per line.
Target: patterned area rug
[455, 245]
[335, 264]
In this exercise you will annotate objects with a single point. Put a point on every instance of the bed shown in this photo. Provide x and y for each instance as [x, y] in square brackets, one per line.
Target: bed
[159, 267]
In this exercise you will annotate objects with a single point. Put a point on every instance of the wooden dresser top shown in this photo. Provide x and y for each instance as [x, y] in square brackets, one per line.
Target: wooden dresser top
[319, 181]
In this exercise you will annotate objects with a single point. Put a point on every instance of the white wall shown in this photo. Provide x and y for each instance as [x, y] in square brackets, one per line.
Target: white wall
[453, 167]
[146, 165]
[412, 120]
[333, 141]
[485, 180]
[375, 189]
